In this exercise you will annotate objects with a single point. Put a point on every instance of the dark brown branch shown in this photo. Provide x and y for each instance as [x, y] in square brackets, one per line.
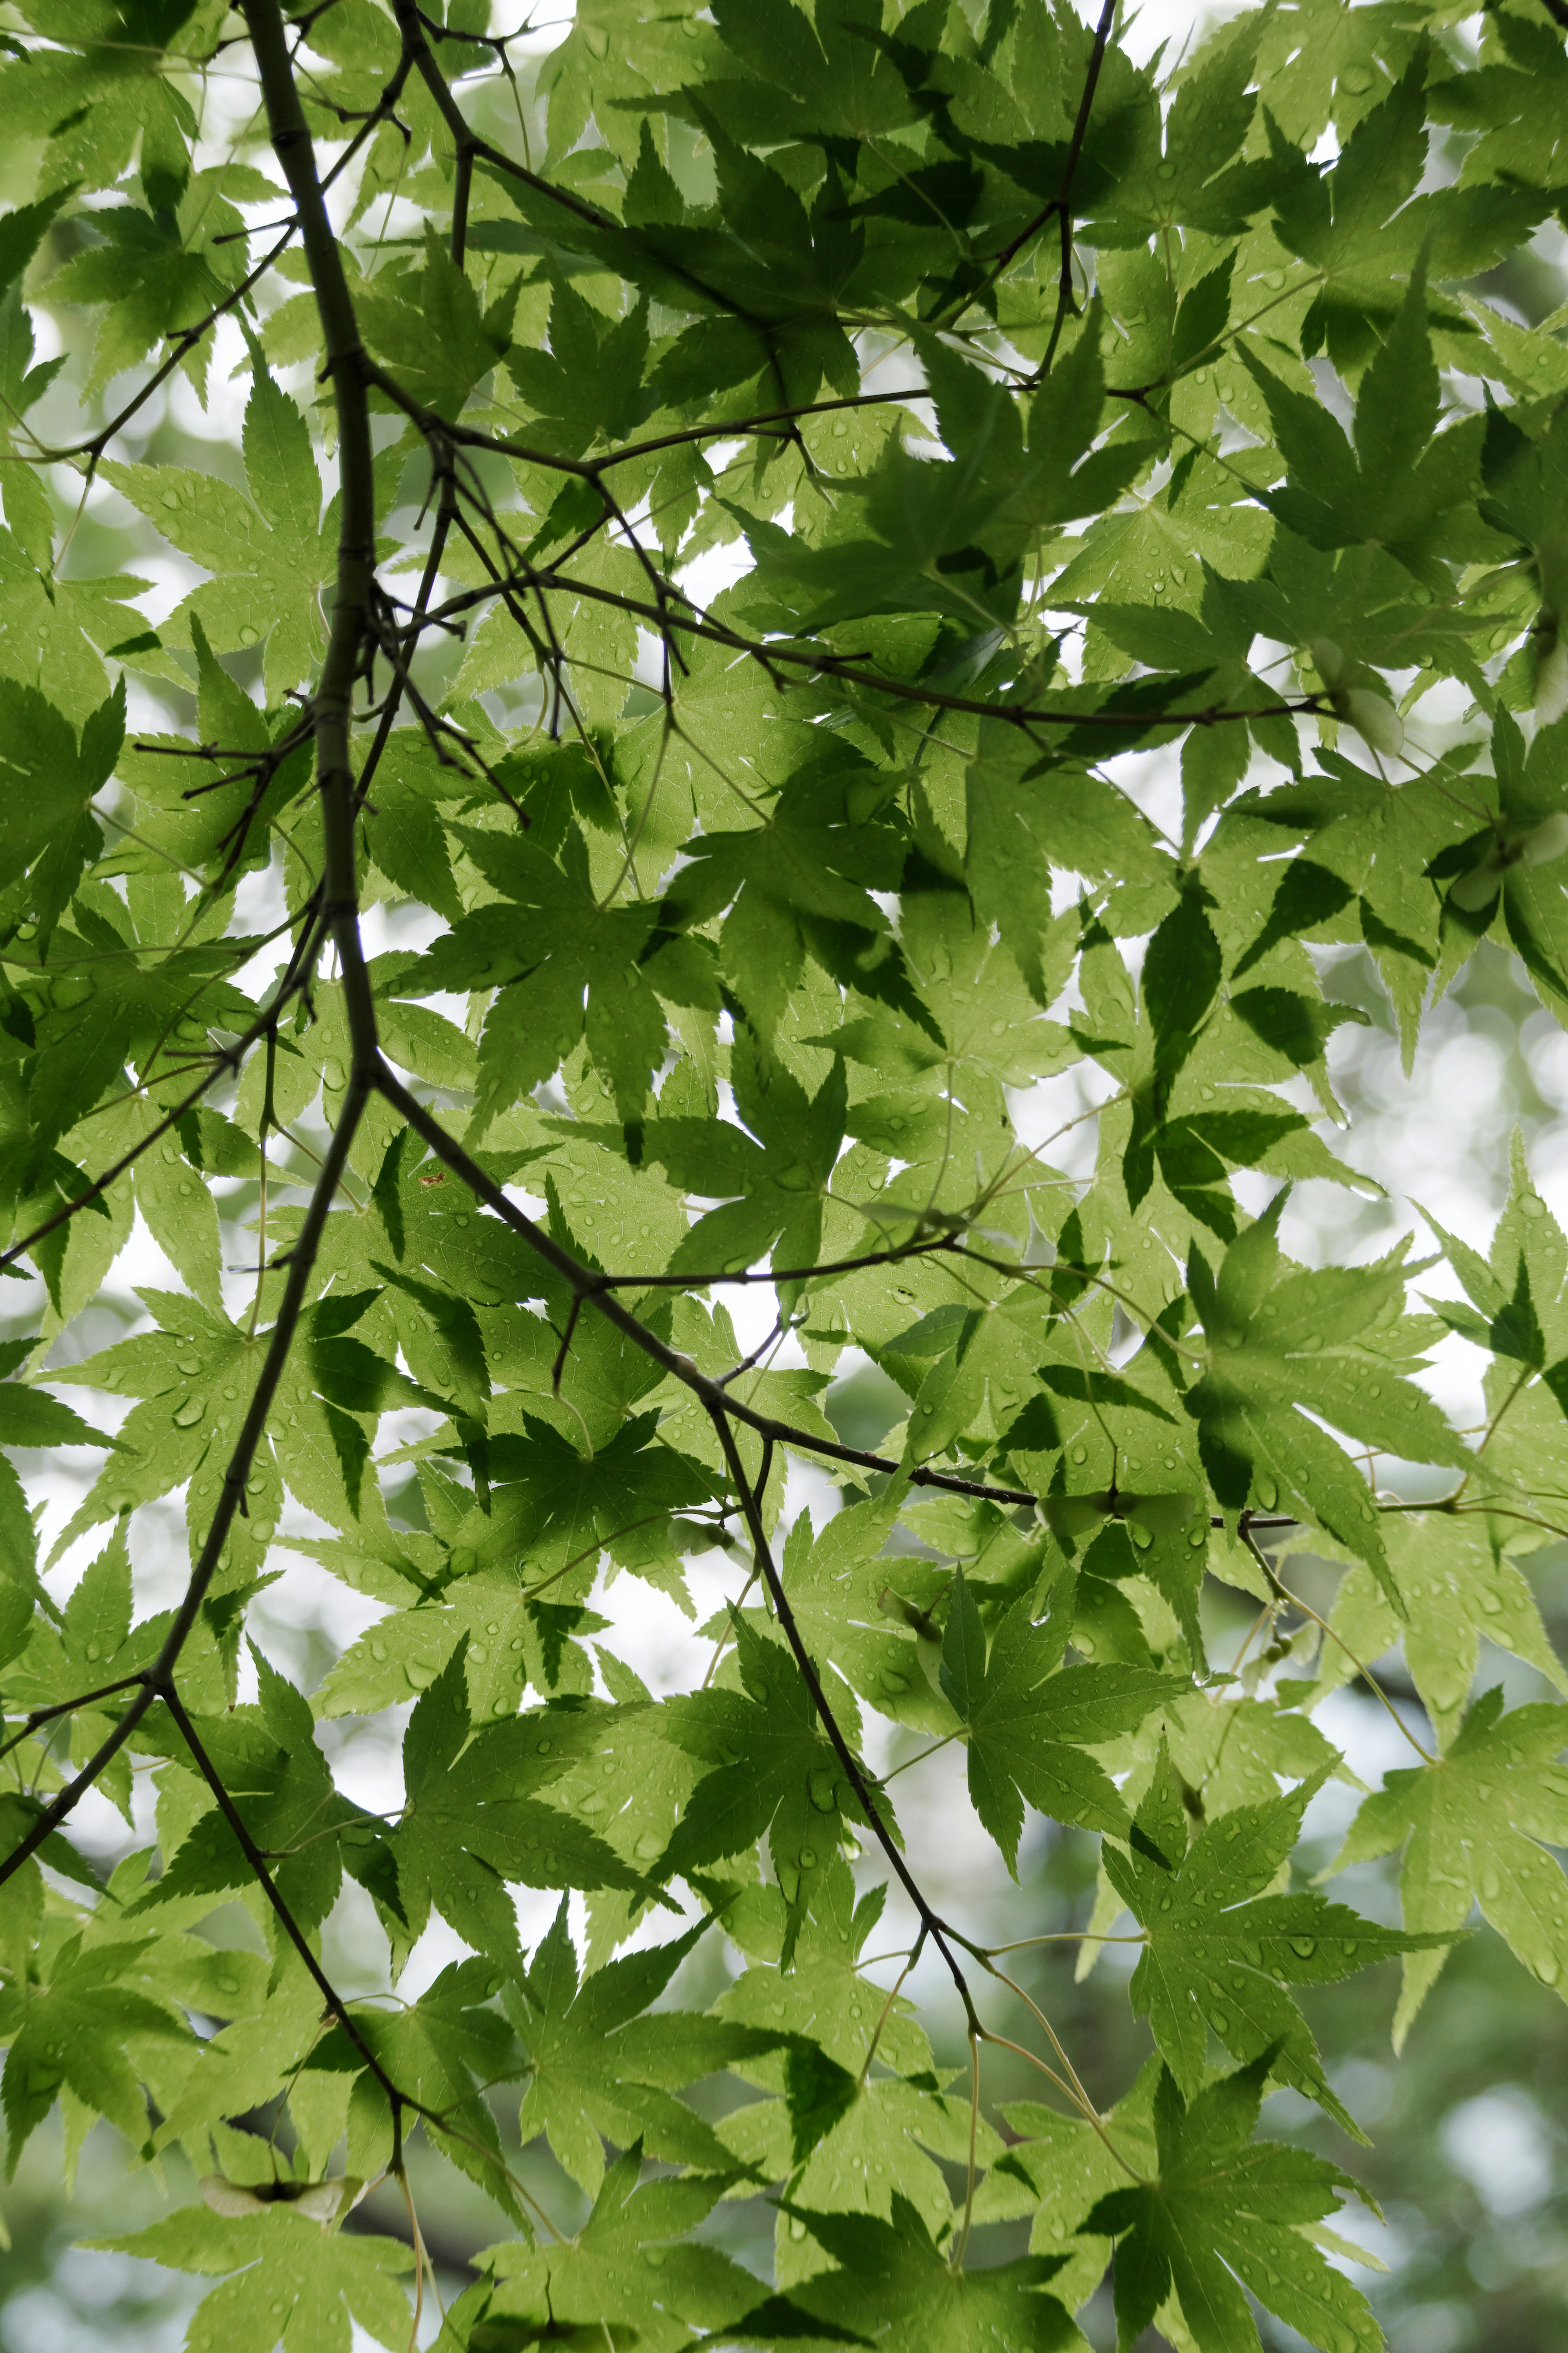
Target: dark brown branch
[1060, 206]
[845, 669]
[332, 711]
[1064, 199]
[268, 1885]
[189, 337]
[762, 1556]
[503, 445]
[594, 1287]
[778, 1273]
[345, 363]
[38, 1716]
[158, 1677]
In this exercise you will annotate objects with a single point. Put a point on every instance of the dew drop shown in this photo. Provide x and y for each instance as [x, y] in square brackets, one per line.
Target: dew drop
[190, 1413]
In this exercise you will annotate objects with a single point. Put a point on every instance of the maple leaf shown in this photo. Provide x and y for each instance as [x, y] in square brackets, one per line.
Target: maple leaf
[890, 2273]
[1470, 1828]
[791, 1787]
[1226, 2213]
[1219, 1950]
[319, 2283]
[270, 553]
[1027, 1726]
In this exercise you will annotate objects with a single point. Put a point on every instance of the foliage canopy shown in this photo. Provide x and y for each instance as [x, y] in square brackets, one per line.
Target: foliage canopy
[749, 551]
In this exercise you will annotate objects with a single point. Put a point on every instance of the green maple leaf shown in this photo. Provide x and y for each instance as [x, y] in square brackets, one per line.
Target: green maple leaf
[1059, 2168]
[50, 777]
[29, 1417]
[1226, 2213]
[74, 2032]
[91, 1646]
[1517, 107]
[1401, 484]
[774, 1773]
[291, 2280]
[1265, 1323]
[268, 1762]
[569, 945]
[430, 325]
[782, 1169]
[800, 884]
[1469, 1827]
[947, 535]
[817, 78]
[590, 384]
[1501, 874]
[1220, 1950]
[98, 90]
[1027, 1726]
[184, 1373]
[447, 2050]
[890, 2274]
[600, 2069]
[473, 1823]
[632, 2268]
[271, 553]
[552, 1505]
[823, 1999]
[1370, 234]
[159, 271]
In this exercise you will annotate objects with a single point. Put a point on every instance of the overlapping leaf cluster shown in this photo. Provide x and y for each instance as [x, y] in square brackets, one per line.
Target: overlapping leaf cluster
[1084, 444]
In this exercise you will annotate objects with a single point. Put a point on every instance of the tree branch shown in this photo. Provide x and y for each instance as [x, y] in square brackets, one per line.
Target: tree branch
[762, 1554]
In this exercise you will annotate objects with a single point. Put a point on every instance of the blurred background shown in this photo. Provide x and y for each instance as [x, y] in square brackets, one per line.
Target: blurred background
[1469, 2166]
